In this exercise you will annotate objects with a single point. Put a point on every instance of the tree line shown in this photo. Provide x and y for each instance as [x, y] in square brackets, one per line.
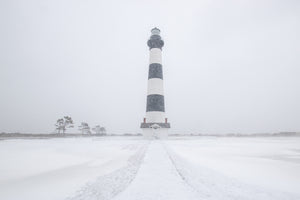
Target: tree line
[66, 122]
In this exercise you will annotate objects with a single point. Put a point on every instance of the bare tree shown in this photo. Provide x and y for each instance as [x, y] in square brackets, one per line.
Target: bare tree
[64, 123]
[85, 128]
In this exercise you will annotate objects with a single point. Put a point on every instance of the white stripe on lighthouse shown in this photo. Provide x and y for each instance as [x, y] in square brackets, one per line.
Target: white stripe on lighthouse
[155, 56]
[155, 86]
[155, 117]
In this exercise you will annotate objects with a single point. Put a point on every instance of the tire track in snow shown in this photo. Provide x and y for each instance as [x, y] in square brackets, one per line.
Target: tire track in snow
[107, 186]
[157, 179]
[180, 174]
[212, 185]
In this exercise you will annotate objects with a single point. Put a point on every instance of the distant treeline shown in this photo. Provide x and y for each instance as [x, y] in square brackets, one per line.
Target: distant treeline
[54, 135]
[57, 135]
[242, 134]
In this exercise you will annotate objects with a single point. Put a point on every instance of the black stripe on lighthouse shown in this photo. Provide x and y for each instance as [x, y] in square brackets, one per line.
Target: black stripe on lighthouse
[155, 41]
[155, 102]
[155, 71]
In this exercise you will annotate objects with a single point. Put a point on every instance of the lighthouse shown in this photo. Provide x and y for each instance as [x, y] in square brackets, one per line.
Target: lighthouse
[155, 124]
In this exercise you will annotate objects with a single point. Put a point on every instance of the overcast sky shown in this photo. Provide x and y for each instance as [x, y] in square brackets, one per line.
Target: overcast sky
[229, 66]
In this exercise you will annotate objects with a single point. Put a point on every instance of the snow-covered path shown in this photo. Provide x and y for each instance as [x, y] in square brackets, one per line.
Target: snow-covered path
[122, 168]
[157, 179]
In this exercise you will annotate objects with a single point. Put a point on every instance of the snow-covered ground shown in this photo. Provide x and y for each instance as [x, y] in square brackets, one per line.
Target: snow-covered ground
[132, 168]
[57, 168]
[239, 167]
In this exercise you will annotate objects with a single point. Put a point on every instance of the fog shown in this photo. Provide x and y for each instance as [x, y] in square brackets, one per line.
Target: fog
[229, 66]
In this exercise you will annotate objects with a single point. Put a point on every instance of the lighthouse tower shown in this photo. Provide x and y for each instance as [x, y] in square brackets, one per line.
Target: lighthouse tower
[155, 125]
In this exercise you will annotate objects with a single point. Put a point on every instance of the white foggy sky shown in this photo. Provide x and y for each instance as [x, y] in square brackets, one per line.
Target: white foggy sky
[229, 66]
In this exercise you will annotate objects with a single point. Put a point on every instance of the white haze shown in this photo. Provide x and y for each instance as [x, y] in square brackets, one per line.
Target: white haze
[229, 66]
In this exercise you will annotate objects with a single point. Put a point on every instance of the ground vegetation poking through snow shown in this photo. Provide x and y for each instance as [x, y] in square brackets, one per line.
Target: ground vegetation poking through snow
[107, 186]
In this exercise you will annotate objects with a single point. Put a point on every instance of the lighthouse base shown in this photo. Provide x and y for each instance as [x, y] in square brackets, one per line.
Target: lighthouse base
[151, 133]
[155, 130]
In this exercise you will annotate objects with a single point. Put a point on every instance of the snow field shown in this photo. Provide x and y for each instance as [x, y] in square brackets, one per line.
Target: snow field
[109, 185]
[157, 179]
[239, 168]
[122, 168]
[56, 168]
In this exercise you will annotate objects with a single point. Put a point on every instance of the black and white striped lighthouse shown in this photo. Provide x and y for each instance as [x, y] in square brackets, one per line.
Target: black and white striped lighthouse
[155, 123]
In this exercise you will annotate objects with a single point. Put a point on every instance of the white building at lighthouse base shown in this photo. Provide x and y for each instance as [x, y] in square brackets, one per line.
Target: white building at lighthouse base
[155, 130]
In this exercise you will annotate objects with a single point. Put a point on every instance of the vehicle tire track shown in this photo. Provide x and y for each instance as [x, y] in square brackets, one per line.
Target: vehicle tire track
[180, 174]
[108, 186]
[212, 185]
[157, 179]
